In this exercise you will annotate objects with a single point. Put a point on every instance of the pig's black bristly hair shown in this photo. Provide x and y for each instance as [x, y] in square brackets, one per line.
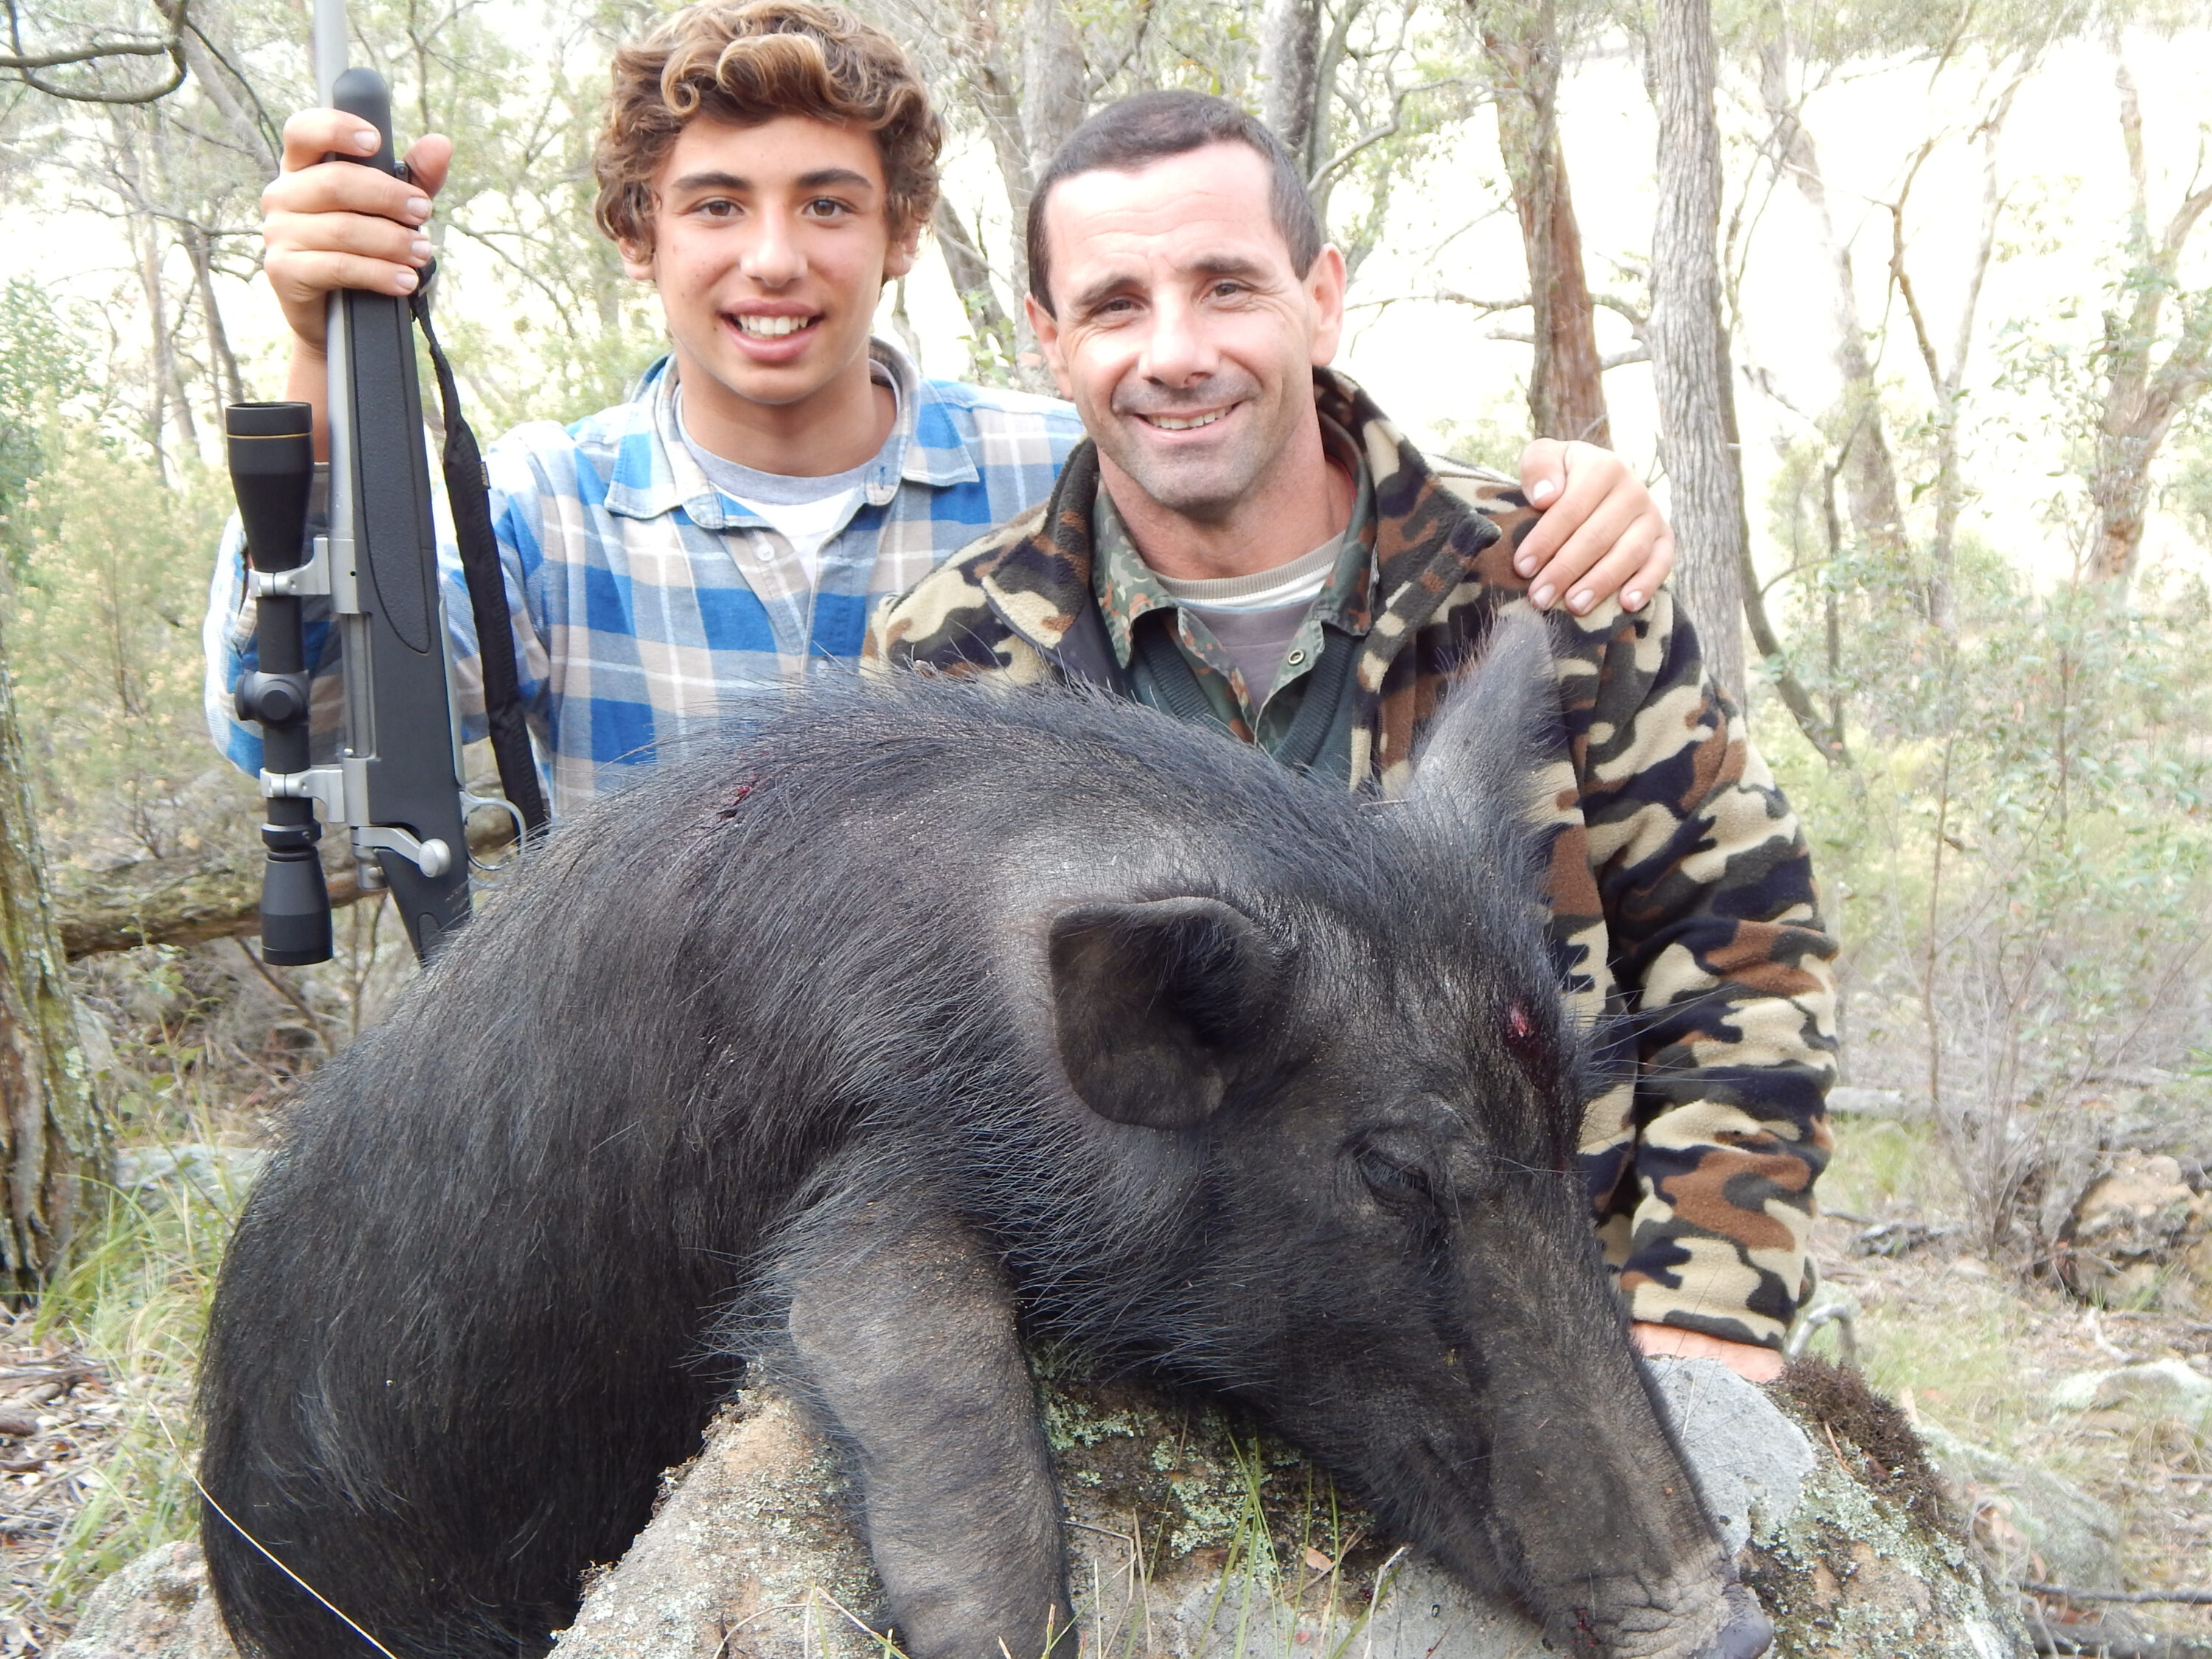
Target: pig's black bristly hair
[516, 1240]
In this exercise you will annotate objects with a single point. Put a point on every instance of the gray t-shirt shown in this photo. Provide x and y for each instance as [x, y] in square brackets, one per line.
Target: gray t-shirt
[804, 512]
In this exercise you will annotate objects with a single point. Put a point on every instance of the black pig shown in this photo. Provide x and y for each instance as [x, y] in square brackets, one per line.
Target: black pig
[918, 1017]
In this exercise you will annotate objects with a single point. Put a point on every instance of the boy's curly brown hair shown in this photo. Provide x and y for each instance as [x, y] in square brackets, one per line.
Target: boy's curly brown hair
[750, 62]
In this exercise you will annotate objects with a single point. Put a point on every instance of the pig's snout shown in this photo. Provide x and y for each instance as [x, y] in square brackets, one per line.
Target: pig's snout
[1748, 1633]
[1655, 1621]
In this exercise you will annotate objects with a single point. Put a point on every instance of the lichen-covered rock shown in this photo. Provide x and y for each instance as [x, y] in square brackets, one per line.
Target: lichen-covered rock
[156, 1607]
[1846, 1576]
[1192, 1536]
[2033, 1523]
[750, 1553]
[2160, 1388]
[1866, 1561]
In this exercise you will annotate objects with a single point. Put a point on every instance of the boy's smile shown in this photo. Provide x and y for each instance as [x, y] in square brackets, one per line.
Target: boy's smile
[770, 249]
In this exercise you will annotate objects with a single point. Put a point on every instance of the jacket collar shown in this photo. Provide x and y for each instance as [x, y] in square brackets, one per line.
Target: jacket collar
[1426, 543]
[655, 472]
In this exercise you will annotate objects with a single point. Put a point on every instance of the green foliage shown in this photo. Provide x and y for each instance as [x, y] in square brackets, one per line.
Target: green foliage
[40, 369]
[514, 225]
[105, 646]
[2022, 862]
[1492, 434]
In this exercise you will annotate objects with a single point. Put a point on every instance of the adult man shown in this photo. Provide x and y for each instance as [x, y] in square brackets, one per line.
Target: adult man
[769, 167]
[1246, 540]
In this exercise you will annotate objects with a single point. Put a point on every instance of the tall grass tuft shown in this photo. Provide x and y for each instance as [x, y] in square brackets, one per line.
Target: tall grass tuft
[133, 1303]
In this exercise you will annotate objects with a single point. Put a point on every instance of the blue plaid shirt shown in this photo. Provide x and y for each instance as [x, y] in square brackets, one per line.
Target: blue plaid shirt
[646, 604]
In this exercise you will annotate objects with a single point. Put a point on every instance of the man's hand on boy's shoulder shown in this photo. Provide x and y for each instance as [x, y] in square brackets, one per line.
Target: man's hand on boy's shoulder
[1598, 532]
[328, 224]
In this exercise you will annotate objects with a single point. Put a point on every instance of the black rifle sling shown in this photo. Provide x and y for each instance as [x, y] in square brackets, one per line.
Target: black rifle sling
[469, 496]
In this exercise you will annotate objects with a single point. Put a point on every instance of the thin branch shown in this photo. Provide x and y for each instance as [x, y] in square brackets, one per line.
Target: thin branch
[1328, 171]
[314, 1020]
[1902, 281]
[25, 64]
[85, 54]
[1639, 319]
[1484, 306]
[1099, 80]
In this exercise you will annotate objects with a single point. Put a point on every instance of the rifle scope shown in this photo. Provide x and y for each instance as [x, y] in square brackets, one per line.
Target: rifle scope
[272, 468]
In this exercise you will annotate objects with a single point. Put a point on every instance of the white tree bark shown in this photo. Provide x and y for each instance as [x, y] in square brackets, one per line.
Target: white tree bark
[1290, 75]
[1870, 472]
[1689, 352]
[1055, 82]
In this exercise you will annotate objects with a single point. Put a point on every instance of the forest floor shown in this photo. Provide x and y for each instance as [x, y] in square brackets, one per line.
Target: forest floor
[94, 1384]
[1977, 1350]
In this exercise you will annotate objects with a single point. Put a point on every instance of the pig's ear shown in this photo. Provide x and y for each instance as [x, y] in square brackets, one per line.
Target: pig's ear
[1477, 762]
[1154, 1004]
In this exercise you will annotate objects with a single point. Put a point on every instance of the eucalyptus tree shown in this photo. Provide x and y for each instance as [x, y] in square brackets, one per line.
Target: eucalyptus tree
[1526, 52]
[2155, 359]
[53, 1139]
[1360, 90]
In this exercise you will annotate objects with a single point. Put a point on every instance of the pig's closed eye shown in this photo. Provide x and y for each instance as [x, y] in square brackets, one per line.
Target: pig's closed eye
[1393, 1180]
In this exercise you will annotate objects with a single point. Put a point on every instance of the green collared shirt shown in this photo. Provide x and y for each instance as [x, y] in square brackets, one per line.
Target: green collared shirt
[1127, 590]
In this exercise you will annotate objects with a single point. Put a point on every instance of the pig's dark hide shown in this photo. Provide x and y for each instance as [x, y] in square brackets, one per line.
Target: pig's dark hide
[918, 1012]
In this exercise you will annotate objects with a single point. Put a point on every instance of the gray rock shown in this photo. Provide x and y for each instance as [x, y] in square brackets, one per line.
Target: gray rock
[1750, 1461]
[1190, 1538]
[157, 1607]
[1867, 1103]
[221, 1175]
[2035, 1524]
[2162, 1388]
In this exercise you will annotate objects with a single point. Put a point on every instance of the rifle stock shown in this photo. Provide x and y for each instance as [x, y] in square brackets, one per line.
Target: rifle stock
[403, 784]
[397, 782]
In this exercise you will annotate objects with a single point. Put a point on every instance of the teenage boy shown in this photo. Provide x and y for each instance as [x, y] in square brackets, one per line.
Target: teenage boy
[1246, 541]
[768, 168]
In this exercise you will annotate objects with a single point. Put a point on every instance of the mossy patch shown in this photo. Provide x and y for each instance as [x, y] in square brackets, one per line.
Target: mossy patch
[1870, 1435]
[1203, 1485]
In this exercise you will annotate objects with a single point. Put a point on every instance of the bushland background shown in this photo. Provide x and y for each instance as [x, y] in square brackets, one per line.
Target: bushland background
[1929, 404]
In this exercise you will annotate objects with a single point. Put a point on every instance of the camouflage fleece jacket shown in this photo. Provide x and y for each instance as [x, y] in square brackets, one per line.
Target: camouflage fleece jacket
[1680, 889]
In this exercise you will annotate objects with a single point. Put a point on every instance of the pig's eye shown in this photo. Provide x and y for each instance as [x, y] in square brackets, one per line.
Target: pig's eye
[1524, 1040]
[1392, 1178]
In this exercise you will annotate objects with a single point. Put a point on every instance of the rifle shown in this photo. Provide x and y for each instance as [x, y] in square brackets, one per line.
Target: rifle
[396, 784]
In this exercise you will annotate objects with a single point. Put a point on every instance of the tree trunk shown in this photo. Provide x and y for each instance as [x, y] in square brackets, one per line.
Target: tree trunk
[211, 77]
[1689, 352]
[50, 1131]
[1870, 490]
[1289, 77]
[1566, 396]
[230, 387]
[991, 338]
[1053, 102]
[2141, 401]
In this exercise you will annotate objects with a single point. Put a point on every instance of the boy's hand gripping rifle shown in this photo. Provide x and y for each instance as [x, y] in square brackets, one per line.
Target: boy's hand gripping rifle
[396, 784]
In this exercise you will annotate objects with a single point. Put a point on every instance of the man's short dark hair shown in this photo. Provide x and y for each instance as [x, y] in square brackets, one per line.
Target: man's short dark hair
[1137, 131]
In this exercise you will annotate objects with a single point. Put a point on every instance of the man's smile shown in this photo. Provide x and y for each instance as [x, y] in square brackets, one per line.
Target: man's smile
[1164, 422]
